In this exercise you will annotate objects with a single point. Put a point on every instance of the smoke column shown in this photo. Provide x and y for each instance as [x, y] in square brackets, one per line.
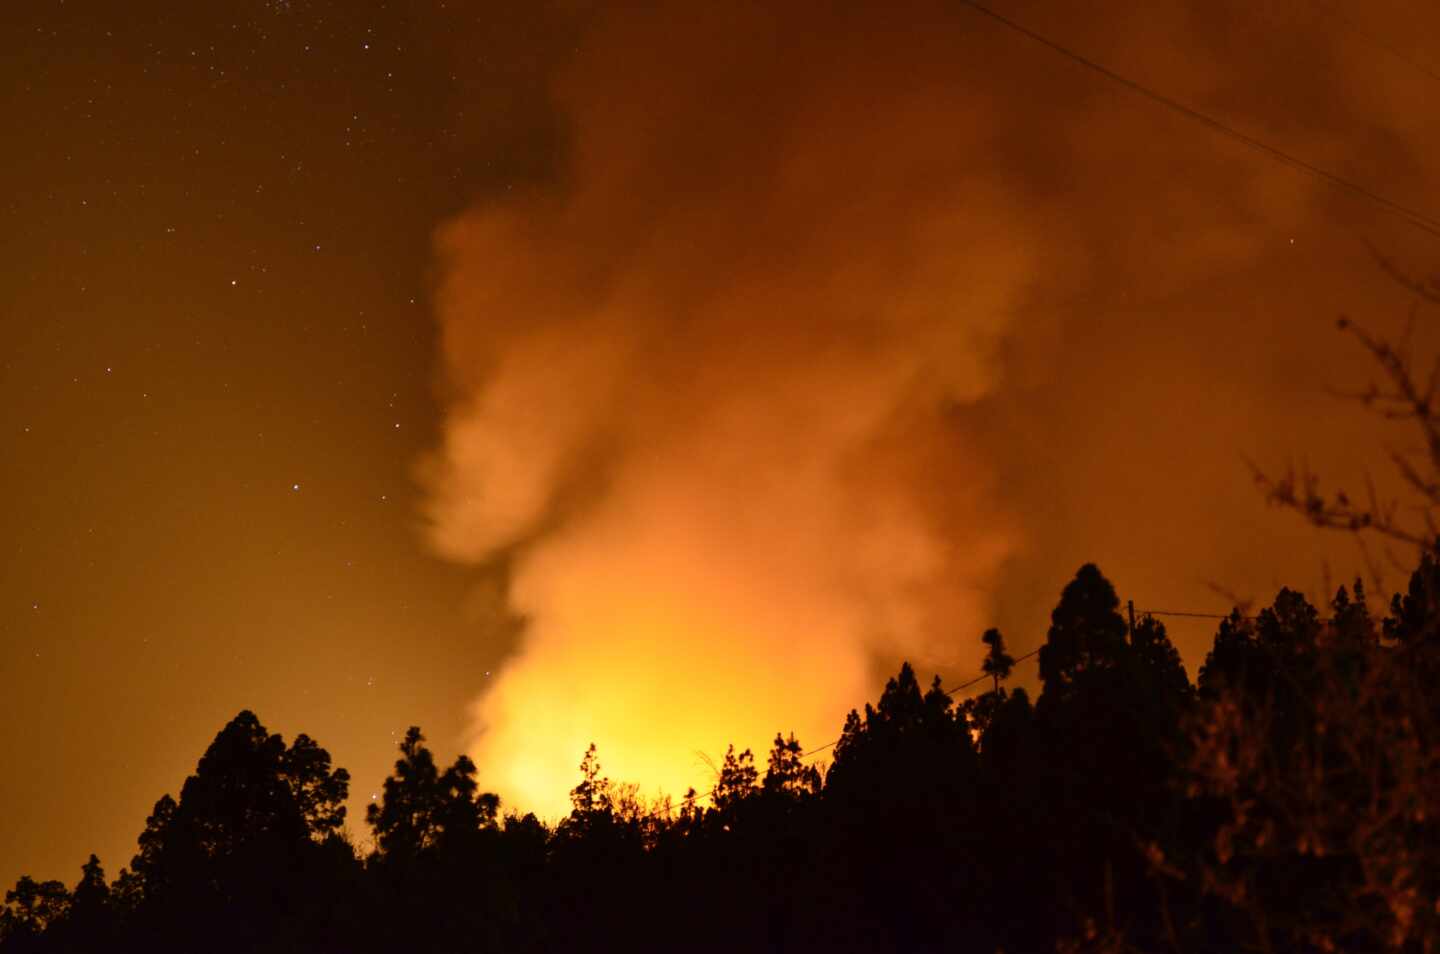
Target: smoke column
[703, 391]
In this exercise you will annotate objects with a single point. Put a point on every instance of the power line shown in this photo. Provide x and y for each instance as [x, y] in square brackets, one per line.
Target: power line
[983, 677]
[1376, 39]
[1416, 218]
[1191, 615]
[1188, 614]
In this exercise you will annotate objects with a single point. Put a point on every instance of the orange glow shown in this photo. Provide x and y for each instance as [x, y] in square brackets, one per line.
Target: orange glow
[775, 342]
[710, 428]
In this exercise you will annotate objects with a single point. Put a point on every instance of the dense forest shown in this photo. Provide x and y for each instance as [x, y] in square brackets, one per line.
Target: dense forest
[1288, 801]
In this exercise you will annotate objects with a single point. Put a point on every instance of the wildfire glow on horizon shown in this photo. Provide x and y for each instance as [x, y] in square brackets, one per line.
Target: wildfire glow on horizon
[712, 390]
[655, 376]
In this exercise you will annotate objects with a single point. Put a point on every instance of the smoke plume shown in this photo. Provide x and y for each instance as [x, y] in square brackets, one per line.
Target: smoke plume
[834, 312]
[705, 391]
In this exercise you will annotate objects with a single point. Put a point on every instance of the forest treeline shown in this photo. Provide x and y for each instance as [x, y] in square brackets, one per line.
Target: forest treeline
[1288, 801]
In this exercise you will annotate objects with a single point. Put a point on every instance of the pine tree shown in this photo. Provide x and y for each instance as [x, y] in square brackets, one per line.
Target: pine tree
[1086, 633]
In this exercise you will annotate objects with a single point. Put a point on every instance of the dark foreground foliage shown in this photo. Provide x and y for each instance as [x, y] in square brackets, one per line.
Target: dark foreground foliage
[1288, 803]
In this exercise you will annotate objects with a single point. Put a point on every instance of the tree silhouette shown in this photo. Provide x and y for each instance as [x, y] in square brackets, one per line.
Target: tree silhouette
[31, 907]
[422, 807]
[903, 778]
[1415, 616]
[980, 710]
[407, 818]
[1323, 772]
[592, 796]
[147, 875]
[1159, 660]
[1107, 722]
[248, 852]
[1291, 804]
[998, 662]
[91, 918]
[319, 791]
[736, 781]
[787, 775]
[1086, 630]
[239, 793]
[438, 854]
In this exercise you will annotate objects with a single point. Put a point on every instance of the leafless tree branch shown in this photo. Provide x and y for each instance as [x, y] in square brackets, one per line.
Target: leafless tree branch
[1398, 396]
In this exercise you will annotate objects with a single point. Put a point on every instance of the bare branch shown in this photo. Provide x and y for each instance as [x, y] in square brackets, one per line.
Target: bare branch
[1300, 491]
[1398, 397]
[1423, 289]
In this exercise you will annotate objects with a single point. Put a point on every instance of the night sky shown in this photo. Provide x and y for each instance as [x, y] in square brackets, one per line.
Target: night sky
[217, 377]
[338, 337]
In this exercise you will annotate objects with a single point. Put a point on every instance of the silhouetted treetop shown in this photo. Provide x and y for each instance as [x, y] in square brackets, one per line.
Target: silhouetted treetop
[592, 796]
[998, 662]
[1230, 654]
[980, 709]
[787, 774]
[1159, 660]
[239, 791]
[736, 782]
[1415, 616]
[422, 807]
[1289, 806]
[319, 791]
[31, 907]
[906, 733]
[1086, 630]
[1291, 625]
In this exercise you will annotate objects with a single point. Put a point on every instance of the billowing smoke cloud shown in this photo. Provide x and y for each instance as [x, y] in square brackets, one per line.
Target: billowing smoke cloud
[706, 390]
[836, 311]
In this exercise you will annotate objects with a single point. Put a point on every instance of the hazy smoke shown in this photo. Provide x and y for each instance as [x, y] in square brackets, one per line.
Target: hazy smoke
[827, 297]
[706, 391]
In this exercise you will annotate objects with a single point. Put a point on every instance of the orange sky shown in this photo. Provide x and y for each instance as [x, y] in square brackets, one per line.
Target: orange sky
[835, 343]
[741, 354]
